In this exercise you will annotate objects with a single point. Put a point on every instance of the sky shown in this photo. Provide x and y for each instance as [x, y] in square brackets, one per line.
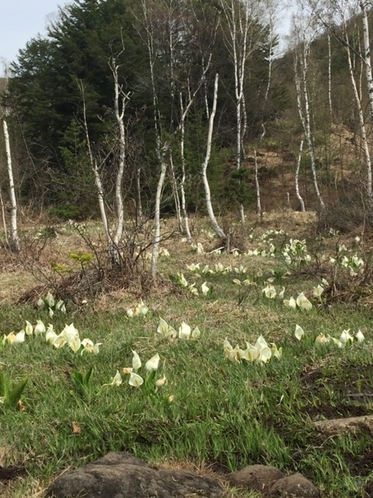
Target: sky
[21, 20]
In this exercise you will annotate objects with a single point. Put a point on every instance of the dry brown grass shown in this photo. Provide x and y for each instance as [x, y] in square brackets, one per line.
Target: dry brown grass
[29, 274]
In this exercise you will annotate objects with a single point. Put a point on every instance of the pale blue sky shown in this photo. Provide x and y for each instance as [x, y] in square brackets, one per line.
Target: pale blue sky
[21, 20]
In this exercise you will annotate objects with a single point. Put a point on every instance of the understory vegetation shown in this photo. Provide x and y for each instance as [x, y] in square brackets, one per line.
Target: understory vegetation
[230, 360]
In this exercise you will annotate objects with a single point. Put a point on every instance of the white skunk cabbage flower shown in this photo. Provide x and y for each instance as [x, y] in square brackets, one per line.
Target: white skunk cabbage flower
[115, 381]
[13, 338]
[184, 331]
[74, 343]
[290, 303]
[269, 291]
[135, 380]
[276, 352]
[337, 342]
[205, 289]
[317, 291]
[162, 327]
[153, 363]
[322, 339]
[90, 347]
[196, 333]
[200, 249]
[136, 362]
[299, 332]
[39, 328]
[29, 329]
[265, 354]
[227, 347]
[50, 334]
[346, 338]
[50, 300]
[359, 336]
[141, 309]
[251, 353]
[303, 302]
[160, 382]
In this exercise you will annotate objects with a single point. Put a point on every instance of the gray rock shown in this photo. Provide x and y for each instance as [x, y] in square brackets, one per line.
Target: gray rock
[255, 477]
[121, 475]
[294, 486]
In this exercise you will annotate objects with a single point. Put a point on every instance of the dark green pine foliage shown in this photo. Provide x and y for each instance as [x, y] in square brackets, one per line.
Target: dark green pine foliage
[44, 89]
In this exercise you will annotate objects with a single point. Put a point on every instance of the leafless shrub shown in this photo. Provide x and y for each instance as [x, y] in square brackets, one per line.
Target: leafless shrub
[88, 271]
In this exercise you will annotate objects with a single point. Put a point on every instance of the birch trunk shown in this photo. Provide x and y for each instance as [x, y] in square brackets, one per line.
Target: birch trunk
[14, 237]
[96, 173]
[305, 116]
[238, 26]
[157, 217]
[215, 226]
[300, 198]
[183, 173]
[160, 149]
[183, 115]
[369, 79]
[120, 100]
[259, 210]
[4, 217]
[175, 193]
[330, 79]
[139, 201]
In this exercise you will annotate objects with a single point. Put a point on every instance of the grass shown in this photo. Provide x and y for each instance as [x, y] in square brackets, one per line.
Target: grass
[212, 411]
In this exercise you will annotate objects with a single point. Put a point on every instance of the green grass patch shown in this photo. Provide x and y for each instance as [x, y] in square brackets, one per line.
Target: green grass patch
[210, 410]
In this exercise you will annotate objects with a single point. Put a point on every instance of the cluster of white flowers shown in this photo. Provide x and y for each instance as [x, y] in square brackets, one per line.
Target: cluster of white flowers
[353, 262]
[260, 352]
[301, 302]
[182, 281]
[69, 336]
[268, 238]
[185, 331]
[218, 269]
[262, 253]
[345, 339]
[140, 310]
[270, 234]
[52, 305]
[136, 380]
[162, 251]
[198, 248]
[296, 253]
[271, 292]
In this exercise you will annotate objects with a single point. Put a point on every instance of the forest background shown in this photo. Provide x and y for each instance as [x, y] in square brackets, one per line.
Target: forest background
[132, 84]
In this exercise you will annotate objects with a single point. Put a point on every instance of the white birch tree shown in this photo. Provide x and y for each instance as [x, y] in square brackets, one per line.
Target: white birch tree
[161, 144]
[14, 242]
[300, 198]
[214, 223]
[239, 19]
[113, 240]
[120, 100]
[303, 32]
